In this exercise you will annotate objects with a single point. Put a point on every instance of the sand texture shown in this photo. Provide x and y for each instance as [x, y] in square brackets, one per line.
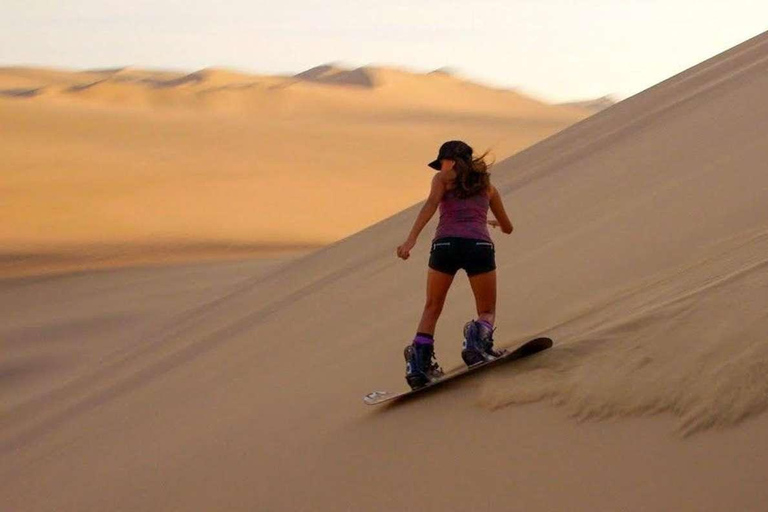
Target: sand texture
[640, 247]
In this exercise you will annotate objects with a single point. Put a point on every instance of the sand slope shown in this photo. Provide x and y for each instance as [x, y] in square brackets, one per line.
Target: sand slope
[640, 247]
[121, 166]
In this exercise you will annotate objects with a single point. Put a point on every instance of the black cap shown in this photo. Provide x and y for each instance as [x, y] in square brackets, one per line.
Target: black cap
[452, 150]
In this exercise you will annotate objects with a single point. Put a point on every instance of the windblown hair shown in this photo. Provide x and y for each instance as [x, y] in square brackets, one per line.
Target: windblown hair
[472, 177]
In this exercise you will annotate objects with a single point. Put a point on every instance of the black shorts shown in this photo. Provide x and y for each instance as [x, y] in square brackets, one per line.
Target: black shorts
[475, 256]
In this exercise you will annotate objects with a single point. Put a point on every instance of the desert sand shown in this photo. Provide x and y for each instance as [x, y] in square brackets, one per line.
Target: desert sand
[130, 166]
[640, 247]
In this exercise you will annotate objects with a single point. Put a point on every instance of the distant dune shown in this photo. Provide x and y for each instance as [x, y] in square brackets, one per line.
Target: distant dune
[595, 105]
[360, 77]
[103, 167]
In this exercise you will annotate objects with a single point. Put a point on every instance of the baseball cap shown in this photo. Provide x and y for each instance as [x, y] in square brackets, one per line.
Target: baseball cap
[451, 150]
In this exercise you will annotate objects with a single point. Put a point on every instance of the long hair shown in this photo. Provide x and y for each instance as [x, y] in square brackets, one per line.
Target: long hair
[472, 175]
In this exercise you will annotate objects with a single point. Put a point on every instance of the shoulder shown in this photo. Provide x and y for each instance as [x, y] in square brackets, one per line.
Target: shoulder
[492, 192]
[438, 181]
[437, 190]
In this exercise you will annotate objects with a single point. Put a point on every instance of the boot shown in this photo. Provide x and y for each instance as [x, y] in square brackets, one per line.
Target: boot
[421, 366]
[478, 344]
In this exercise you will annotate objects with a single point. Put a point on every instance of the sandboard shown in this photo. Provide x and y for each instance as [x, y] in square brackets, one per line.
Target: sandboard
[527, 349]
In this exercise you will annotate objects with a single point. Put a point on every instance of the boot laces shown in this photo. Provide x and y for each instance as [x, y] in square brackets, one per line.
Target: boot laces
[432, 367]
[486, 341]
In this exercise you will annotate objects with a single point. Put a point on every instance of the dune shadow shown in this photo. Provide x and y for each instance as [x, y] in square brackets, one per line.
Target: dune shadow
[14, 372]
[22, 92]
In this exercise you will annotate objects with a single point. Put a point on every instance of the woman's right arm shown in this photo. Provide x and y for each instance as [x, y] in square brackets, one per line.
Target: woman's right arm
[497, 207]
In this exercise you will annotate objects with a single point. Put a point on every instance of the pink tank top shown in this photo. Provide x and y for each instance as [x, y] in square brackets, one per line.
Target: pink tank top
[465, 218]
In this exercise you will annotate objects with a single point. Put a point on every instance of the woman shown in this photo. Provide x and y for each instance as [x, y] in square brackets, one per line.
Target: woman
[463, 191]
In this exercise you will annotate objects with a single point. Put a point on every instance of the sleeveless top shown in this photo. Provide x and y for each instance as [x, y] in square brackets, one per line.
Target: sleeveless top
[465, 218]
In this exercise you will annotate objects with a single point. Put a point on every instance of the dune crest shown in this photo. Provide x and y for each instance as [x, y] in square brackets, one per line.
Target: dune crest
[159, 88]
[327, 74]
[593, 105]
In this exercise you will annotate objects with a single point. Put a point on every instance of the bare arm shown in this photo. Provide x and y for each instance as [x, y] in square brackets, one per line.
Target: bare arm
[429, 208]
[497, 207]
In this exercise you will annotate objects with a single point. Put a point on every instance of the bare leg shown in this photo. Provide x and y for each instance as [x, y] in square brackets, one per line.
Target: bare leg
[438, 284]
[484, 288]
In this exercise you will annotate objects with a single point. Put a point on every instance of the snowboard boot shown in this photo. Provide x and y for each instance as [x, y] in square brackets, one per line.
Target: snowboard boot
[478, 343]
[420, 366]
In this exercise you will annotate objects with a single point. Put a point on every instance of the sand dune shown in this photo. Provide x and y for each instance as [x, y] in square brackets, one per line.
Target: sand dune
[360, 77]
[640, 247]
[122, 161]
[593, 105]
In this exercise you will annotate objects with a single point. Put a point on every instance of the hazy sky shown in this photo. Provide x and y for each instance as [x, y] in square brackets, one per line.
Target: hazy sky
[555, 49]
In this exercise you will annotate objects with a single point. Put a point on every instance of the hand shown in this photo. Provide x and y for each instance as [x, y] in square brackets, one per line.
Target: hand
[493, 223]
[404, 250]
